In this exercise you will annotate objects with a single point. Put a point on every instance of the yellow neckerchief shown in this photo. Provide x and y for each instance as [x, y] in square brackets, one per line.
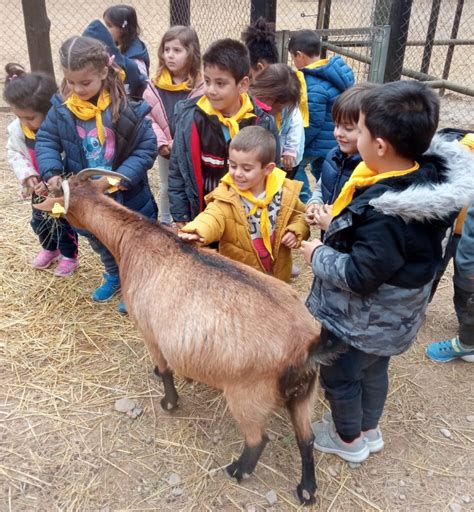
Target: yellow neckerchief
[85, 110]
[304, 91]
[468, 140]
[27, 132]
[165, 81]
[363, 177]
[245, 112]
[278, 120]
[273, 184]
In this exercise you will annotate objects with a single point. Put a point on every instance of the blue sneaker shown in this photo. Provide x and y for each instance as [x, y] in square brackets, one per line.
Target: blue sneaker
[444, 351]
[121, 308]
[107, 289]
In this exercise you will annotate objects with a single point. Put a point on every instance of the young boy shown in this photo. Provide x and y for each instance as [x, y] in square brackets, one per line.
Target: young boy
[341, 161]
[323, 80]
[205, 126]
[373, 274]
[254, 213]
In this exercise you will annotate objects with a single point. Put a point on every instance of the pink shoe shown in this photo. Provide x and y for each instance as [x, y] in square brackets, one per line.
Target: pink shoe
[45, 259]
[66, 266]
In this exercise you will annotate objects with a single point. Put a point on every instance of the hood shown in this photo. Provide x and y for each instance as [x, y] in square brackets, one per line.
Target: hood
[444, 189]
[336, 72]
[97, 30]
[138, 50]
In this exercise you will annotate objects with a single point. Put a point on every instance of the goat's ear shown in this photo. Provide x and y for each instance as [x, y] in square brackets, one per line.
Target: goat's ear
[48, 204]
[103, 184]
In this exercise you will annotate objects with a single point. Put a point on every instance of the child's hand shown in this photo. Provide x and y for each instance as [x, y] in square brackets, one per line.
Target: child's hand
[164, 151]
[190, 237]
[54, 184]
[40, 189]
[310, 213]
[308, 248]
[323, 217]
[289, 240]
[288, 162]
[29, 185]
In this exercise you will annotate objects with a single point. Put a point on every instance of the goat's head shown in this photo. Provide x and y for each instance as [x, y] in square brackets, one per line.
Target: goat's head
[67, 199]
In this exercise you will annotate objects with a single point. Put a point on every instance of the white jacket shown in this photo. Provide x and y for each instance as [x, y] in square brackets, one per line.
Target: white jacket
[18, 154]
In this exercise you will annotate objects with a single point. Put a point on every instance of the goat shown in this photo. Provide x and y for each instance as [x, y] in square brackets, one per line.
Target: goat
[210, 319]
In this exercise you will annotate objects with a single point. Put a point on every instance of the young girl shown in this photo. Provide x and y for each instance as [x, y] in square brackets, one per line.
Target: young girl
[278, 87]
[121, 20]
[29, 95]
[94, 125]
[178, 78]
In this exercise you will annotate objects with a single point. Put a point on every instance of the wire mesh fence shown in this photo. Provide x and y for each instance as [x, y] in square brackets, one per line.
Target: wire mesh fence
[428, 39]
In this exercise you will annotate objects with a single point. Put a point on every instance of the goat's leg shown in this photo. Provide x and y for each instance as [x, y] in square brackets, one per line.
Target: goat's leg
[170, 400]
[300, 413]
[250, 408]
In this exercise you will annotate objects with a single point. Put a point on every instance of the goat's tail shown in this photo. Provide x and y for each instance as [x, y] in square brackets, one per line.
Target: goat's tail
[297, 382]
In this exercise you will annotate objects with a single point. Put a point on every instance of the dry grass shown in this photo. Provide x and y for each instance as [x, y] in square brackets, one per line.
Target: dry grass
[64, 360]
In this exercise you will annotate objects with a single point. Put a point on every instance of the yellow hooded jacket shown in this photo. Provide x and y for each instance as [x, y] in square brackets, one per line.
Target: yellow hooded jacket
[225, 220]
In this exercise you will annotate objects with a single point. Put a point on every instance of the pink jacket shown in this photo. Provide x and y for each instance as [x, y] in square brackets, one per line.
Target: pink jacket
[158, 115]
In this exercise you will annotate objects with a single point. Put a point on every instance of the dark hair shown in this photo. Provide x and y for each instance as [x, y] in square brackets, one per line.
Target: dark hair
[305, 41]
[346, 108]
[79, 52]
[278, 83]
[404, 113]
[189, 39]
[28, 90]
[125, 18]
[259, 39]
[228, 55]
[258, 139]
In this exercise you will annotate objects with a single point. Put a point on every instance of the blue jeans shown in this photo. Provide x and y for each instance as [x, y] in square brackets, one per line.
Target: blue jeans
[356, 386]
[54, 234]
[105, 255]
[316, 166]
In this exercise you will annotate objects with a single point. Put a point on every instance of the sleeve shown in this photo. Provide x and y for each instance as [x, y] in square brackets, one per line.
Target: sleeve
[297, 223]
[378, 252]
[317, 197]
[19, 162]
[291, 144]
[155, 114]
[179, 203]
[209, 224]
[136, 165]
[49, 147]
[465, 252]
[317, 103]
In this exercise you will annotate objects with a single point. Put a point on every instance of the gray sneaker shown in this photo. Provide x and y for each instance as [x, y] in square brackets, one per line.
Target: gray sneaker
[328, 441]
[373, 437]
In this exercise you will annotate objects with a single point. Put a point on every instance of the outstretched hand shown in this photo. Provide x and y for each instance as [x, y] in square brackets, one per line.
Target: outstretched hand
[190, 237]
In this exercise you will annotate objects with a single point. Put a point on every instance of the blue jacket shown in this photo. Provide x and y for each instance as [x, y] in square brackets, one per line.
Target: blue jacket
[135, 83]
[137, 50]
[324, 84]
[337, 169]
[135, 151]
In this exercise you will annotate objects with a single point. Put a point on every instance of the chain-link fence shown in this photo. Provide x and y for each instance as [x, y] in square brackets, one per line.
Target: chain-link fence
[429, 40]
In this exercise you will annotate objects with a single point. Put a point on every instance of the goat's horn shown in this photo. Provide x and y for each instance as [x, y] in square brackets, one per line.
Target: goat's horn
[67, 195]
[87, 173]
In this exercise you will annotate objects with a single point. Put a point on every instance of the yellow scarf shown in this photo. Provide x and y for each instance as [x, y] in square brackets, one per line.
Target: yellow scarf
[245, 112]
[273, 184]
[278, 120]
[304, 91]
[165, 81]
[29, 134]
[468, 140]
[363, 177]
[85, 110]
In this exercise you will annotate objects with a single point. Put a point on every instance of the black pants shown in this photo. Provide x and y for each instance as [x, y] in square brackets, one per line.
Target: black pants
[54, 234]
[356, 386]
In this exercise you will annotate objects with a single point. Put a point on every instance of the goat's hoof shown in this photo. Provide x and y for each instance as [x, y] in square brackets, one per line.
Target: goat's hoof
[233, 471]
[168, 405]
[306, 497]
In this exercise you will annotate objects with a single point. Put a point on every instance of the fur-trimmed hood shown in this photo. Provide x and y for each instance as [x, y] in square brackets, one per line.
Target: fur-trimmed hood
[443, 185]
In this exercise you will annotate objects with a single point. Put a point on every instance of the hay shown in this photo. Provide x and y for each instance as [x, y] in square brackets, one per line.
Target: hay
[64, 360]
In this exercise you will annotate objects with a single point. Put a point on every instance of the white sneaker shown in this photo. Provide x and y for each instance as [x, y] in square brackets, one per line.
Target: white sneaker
[327, 440]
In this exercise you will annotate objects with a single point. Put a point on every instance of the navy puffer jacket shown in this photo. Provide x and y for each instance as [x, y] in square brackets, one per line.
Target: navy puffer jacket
[135, 151]
[337, 169]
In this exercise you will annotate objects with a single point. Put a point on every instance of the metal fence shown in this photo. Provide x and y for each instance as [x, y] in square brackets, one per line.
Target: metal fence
[429, 40]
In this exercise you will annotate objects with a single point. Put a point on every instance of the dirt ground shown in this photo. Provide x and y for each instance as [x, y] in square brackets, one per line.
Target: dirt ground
[65, 360]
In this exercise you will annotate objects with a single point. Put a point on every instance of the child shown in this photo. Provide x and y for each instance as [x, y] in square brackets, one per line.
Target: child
[373, 274]
[178, 78]
[254, 213]
[205, 126]
[94, 125]
[122, 22]
[134, 80]
[260, 41]
[29, 95]
[341, 160]
[323, 80]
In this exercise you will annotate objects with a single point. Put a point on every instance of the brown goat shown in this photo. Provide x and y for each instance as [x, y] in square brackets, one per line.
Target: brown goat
[210, 319]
